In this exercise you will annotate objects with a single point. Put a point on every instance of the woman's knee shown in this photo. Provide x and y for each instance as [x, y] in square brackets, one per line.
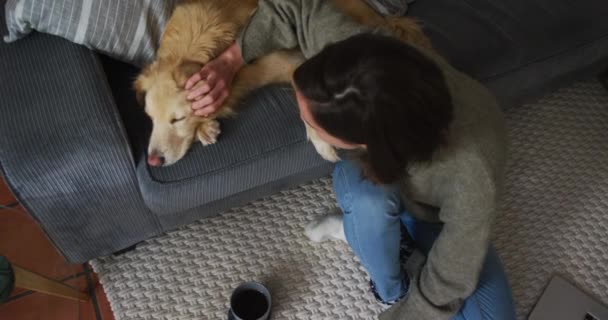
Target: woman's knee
[345, 177]
[357, 195]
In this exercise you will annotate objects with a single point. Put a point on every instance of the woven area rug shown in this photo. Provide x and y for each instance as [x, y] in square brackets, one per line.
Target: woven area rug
[554, 220]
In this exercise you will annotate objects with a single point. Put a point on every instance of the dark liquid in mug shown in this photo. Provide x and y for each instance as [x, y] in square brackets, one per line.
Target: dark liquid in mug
[249, 305]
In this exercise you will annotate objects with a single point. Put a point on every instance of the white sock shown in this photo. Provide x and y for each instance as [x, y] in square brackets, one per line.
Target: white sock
[329, 227]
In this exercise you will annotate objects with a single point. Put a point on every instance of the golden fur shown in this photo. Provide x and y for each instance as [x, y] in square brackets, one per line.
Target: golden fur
[200, 30]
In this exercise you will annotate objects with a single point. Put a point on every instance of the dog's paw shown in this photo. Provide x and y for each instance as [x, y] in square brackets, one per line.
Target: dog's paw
[329, 227]
[408, 30]
[395, 25]
[324, 149]
[208, 132]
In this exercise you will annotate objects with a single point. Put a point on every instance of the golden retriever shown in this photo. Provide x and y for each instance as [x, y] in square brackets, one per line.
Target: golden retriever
[198, 31]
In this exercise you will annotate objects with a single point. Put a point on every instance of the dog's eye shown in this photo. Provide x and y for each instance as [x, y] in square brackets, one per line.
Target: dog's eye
[177, 120]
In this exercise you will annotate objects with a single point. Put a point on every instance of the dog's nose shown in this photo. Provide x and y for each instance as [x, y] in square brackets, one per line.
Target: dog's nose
[155, 159]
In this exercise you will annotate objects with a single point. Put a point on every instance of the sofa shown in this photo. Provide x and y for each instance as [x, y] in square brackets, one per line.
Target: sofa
[73, 139]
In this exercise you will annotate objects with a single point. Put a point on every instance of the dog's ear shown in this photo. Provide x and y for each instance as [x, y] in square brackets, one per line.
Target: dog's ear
[184, 71]
[140, 91]
[142, 84]
[144, 81]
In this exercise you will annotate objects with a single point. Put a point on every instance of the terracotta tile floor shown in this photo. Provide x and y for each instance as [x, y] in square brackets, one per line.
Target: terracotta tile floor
[24, 244]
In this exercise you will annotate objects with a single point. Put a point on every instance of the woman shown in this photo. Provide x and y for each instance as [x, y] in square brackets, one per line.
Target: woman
[427, 147]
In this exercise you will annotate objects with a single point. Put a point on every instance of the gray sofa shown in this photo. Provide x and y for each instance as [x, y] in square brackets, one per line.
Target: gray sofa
[73, 140]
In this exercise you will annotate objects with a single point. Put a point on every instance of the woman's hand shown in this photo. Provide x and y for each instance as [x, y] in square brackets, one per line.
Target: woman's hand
[218, 75]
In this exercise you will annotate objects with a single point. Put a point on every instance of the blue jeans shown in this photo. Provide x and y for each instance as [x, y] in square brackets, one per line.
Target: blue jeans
[373, 216]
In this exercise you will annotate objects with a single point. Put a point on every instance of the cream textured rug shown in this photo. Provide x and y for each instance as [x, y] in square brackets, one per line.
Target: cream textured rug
[554, 221]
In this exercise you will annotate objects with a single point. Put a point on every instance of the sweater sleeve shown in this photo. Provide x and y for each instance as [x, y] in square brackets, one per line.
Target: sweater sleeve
[451, 271]
[287, 24]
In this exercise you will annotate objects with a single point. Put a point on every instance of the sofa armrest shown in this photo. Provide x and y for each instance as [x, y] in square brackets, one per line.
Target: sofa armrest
[64, 151]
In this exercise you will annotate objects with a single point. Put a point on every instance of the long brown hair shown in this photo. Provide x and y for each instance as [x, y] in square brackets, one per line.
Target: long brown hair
[377, 91]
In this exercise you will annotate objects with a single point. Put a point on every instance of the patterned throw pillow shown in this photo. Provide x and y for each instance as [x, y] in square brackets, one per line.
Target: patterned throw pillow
[128, 30]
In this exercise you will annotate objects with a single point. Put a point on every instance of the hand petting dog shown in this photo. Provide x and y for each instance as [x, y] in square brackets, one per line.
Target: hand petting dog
[218, 76]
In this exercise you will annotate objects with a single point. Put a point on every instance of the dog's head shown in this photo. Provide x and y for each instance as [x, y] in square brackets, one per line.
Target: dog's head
[160, 88]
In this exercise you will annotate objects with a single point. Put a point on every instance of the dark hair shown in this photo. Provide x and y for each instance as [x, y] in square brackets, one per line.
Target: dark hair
[380, 92]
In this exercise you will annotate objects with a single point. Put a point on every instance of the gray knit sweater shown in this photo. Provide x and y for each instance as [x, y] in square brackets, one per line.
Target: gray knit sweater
[462, 181]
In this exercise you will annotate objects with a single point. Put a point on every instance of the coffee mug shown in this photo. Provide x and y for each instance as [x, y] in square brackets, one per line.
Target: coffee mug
[250, 301]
